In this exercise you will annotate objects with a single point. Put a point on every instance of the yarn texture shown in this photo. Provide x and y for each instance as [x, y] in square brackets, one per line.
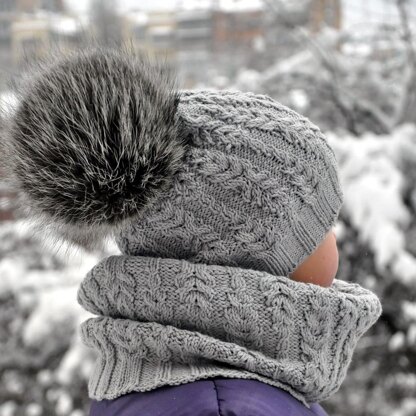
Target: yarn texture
[258, 187]
[201, 287]
[167, 321]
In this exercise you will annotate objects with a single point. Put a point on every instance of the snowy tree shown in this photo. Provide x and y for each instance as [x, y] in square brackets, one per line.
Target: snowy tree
[44, 366]
[360, 88]
[355, 81]
[376, 237]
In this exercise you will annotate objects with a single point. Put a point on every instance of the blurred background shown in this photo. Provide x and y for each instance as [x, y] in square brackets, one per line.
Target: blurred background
[348, 65]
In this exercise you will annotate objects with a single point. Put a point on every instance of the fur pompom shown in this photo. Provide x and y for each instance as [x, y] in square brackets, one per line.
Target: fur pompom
[94, 140]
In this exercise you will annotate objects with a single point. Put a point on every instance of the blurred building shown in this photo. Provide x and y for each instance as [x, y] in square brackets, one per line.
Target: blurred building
[325, 13]
[11, 9]
[161, 32]
[29, 38]
[33, 35]
[238, 26]
[199, 38]
[236, 29]
[152, 31]
[184, 37]
[195, 37]
[28, 28]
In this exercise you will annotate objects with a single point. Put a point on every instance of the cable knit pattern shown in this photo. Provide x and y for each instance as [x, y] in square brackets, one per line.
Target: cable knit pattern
[258, 187]
[266, 327]
[201, 287]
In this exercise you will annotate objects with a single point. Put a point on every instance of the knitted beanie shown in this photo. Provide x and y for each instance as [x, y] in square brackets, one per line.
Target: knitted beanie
[226, 178]
[214, 197]
[258, 187]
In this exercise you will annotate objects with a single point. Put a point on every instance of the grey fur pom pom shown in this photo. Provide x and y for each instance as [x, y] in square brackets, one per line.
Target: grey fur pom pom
[94, 140]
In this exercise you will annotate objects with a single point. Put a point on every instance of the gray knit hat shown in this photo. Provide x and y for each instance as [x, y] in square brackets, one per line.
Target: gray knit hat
[103, 141]
[258, 187]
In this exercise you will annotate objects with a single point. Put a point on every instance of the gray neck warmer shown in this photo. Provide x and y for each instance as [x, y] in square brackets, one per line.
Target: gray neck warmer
[168, 321]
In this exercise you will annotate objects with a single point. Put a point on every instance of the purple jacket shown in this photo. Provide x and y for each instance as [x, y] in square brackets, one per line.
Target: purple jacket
[212, 397]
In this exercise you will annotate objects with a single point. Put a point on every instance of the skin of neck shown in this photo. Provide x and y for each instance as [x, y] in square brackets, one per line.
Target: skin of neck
[321, 267]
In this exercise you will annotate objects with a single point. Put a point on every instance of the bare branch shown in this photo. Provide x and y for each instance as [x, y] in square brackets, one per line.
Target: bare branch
[350, 106]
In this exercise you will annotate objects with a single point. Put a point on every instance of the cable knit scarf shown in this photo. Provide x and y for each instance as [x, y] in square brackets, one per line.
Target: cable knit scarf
[167, 322]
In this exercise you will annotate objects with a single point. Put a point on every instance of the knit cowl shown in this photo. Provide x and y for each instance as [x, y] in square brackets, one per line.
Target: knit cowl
[168, 321]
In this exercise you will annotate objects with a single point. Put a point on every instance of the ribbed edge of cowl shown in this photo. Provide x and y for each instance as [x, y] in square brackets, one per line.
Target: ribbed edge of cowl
[141, 356]
[118, 373]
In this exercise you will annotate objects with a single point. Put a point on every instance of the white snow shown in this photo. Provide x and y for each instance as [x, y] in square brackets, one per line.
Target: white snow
[301, 61]
[16, 278]
[64, 404]
[160, 30]
[409, 310]
[75, 362]
[407, 408]
[240, 5]
[223, 5]
[397, 341]
[29, 24]
[8, 103]
[13, 383]
[372, 181]
[405, 267]
[8, 408]
[411, 335]
[247, 80]
[65, 25]
[49, 294]
[259, 44]
[45, 377]
[56, 308]
[34, 409]
[299, 99]
[77, 412]
[339, 230]
[194, 5]
[138, 17]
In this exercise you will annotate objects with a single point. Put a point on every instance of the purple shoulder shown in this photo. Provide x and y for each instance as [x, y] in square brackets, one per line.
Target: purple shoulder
[212, 397]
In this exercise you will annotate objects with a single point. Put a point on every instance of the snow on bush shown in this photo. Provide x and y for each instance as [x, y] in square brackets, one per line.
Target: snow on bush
[373, 183]
[38, 288]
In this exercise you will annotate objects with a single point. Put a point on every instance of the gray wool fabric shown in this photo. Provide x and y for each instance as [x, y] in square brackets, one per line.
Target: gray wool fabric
[202, 289]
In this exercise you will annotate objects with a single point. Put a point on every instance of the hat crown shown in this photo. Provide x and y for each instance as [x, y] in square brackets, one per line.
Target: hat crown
[258, 187]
